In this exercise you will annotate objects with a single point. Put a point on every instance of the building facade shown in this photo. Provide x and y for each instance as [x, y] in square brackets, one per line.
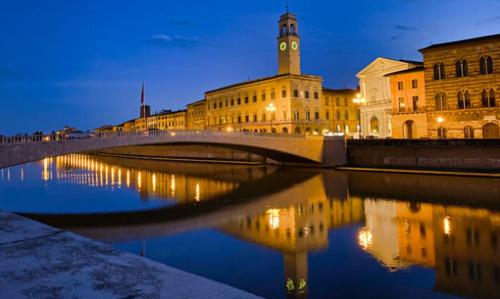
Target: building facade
[408, 106]
[462, 80]
[375, 89]
[196, 115]
[341, 113]
[287, 103]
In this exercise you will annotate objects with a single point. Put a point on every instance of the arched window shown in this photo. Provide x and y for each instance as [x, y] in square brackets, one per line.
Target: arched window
[491, 131]
[441, 101]
[292, 29]
[283, 30]
[488, 98]
[463, 99]
[285, 130]
[462, 68]
[486, 65]
[408, 127]
[441, 133]
[469, 132]
[297, 130]
[374, 128]
[439, 71]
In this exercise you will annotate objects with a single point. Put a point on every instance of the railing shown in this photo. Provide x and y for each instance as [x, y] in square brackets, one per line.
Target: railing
[24, 139]
[424, 142]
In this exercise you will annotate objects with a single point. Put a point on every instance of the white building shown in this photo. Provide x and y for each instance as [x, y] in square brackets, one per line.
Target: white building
[376, 90]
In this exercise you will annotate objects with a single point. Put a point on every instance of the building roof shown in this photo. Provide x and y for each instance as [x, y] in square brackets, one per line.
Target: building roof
[412, 70]
[196, 102]
[463, 41]
[261, 80]
[341, 90]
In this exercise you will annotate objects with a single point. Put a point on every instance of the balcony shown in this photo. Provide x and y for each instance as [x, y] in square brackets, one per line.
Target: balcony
[408, 110]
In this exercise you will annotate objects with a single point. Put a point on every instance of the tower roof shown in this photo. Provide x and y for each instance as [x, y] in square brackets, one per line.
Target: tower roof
[288, 15]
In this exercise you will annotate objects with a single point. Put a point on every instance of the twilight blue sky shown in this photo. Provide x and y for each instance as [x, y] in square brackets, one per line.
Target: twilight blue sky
[82, 62]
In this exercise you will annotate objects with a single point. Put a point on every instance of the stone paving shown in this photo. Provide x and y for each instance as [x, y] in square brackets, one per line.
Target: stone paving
[38, 261]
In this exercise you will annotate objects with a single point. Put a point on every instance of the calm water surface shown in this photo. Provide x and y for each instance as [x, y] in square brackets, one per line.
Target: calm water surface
[278, 233]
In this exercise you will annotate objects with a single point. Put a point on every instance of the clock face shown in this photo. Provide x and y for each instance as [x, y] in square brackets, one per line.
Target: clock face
[295, 46]
[283, 46]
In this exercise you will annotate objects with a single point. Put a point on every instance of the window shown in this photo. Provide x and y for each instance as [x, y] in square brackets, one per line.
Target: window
[238, 101]
[327, 115]
[439, 71]
[463, 99]
[415, 103]
[255, 117]
[400, 85]
[263, 96]
[308, 115]
[346, 102]
[462, 68]
[441, 133]
[401, 102]
[347, 128]
[374, 128]
[239, 119]
[441, 101]
[337, 101]
[247, 118]
[307, 94]
[295, 93]
[273, 95]
[469, 132]
[346, 115]
[283, 93]
[414, 83]
[296, 115]
[316, 115]
[292, 29]
[488, 98]
[338, 115]
[486, 65]
[254, 98]
[316, 95]
[263, 117]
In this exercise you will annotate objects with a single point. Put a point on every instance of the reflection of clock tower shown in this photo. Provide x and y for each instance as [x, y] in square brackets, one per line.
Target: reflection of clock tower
[288, 45]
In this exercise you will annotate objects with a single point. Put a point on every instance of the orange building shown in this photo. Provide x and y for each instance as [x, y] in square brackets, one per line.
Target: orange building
[408, 106]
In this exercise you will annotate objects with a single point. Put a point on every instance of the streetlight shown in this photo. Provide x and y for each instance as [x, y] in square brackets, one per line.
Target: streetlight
[441, 132]
[359, 100]
[271, 108]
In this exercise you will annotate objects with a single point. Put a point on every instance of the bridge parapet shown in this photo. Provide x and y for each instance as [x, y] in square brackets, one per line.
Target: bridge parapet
[326, 151]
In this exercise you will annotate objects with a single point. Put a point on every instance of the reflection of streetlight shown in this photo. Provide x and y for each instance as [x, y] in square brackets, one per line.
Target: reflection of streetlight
[447, 226]
[274, 218]
[271, 108]
[359, 100]
[365, 238]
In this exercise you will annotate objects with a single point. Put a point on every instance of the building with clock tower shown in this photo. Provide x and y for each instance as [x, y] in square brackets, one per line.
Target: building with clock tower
[289, 102]
[288, 45]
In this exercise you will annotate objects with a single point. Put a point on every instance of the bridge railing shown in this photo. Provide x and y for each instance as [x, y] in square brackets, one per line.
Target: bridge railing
[24, 139]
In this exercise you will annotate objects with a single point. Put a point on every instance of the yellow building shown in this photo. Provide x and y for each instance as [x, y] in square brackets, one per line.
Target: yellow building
[165, 120]
[287, 103]
[196, 115]
[408, 106]
[462, 80]
[341, 112]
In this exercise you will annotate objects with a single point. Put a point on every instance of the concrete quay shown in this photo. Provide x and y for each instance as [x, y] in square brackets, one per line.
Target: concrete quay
[39, 261]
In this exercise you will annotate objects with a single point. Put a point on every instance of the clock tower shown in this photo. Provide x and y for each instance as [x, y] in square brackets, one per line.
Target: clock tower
[288, 45]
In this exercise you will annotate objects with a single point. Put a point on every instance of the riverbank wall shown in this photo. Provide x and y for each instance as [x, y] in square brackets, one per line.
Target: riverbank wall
[481, 155]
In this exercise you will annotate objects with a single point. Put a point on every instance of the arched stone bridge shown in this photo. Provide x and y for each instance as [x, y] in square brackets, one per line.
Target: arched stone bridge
[317, 150]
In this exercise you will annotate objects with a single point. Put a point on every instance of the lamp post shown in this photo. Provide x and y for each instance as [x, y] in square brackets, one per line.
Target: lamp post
[271, 108]
[440, 121]
[359, 100]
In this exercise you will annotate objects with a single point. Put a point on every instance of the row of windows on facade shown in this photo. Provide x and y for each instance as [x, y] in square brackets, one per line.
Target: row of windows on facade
[338, 102]
[263, 97]
[468, 131]
[464, 100]
[402, 103]
[239, 119]
[462, 68]
[414, 84]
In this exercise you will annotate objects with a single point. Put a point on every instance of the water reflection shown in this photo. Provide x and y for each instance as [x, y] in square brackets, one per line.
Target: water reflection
[403, 223]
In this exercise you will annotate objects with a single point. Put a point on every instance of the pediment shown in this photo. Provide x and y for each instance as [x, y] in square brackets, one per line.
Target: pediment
[379, 65]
